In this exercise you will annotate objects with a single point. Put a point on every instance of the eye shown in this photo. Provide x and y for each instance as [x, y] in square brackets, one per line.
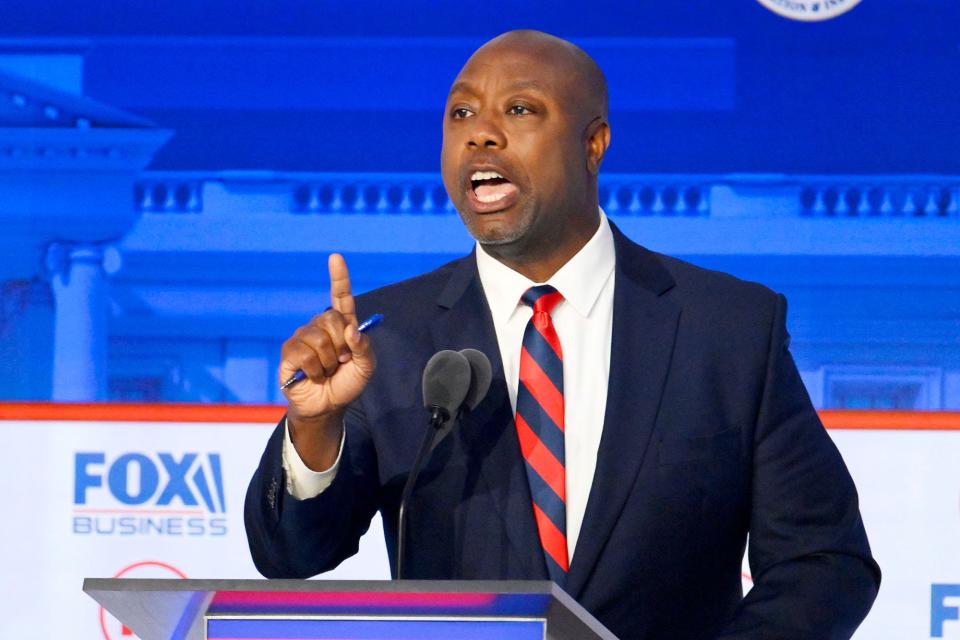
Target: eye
[519, 110]
[459, 113]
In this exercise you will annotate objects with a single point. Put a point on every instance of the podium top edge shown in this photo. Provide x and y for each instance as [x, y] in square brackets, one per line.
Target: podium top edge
[128, 598]
[542, 587]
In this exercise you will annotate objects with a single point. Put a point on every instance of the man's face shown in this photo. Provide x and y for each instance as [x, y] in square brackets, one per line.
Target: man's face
[513, 158]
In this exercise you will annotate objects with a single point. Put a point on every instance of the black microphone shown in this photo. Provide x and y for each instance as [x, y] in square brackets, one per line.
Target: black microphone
[480, 379]
[446, 383]
[481, 375]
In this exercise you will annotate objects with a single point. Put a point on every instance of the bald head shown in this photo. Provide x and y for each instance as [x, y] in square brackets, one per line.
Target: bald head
[586, 85]
[524, 132]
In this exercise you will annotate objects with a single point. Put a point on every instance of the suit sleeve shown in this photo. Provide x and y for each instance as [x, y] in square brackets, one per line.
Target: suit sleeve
[292, 538]
[813, 573]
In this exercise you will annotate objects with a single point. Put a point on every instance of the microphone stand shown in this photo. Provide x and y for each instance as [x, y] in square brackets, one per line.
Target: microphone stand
[438, 417]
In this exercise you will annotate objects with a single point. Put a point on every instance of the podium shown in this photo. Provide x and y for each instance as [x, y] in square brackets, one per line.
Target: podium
[345, 610]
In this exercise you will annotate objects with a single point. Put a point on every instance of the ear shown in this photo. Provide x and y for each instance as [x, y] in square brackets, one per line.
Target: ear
[598, 140]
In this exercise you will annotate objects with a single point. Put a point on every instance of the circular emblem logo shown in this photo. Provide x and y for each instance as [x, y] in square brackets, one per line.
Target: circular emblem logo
[809, 10]
[110, 626]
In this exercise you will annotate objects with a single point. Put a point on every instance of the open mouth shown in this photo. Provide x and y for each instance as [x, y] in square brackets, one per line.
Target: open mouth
[489, 187]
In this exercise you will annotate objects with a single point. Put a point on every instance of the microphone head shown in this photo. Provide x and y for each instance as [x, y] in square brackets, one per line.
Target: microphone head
[446, 381]
[481, 376]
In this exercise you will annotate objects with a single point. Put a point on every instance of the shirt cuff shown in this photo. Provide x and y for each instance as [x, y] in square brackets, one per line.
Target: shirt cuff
[303, 482]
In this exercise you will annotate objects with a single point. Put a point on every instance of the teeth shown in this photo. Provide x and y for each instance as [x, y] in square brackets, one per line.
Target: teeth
[491, 198]
[485, 175]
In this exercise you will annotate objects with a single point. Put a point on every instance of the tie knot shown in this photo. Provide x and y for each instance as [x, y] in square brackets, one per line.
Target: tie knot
[542, 298]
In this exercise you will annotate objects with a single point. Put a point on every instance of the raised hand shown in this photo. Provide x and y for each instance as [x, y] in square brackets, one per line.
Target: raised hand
[338, 362]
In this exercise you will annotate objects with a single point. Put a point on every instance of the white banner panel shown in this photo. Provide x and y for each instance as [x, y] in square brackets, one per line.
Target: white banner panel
[138, 498]
[141, 500]
[909, 484]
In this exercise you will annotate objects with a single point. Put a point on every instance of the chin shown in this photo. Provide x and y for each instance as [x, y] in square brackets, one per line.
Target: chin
[495, 236]
[496, 230]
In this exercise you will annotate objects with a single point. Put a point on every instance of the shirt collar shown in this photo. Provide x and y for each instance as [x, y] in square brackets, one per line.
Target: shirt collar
[580, 280]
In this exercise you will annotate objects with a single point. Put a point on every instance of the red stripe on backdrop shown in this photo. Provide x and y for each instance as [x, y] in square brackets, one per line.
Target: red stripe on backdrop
[126, 412]
[271, 414]
[892, 420]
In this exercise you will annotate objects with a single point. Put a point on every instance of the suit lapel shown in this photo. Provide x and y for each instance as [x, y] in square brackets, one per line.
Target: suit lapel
[644, 328]
[488, 432]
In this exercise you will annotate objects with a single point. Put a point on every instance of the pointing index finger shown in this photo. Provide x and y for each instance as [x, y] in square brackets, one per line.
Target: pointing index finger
[341, 296]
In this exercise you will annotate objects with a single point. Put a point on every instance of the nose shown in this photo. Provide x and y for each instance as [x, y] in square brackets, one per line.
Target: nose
[485, 134]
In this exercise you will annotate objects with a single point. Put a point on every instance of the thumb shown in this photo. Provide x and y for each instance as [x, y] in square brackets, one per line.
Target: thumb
[360, 349]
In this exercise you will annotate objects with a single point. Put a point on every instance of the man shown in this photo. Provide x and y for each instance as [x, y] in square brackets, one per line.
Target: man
[645, 414]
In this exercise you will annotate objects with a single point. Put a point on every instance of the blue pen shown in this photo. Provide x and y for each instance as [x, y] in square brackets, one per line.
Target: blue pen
[365, 326]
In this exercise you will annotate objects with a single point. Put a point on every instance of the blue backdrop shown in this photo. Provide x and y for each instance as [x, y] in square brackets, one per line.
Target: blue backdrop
[172, 176]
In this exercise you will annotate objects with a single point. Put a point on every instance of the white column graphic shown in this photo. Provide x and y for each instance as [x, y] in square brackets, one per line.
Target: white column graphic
[80, 290]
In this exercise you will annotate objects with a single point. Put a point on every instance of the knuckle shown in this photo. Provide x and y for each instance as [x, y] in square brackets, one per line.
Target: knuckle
[331, 319]
[304, 334]
[317, 339]
[292, 351]
[305, 358]
[327, 355]
[309, 344]
[339, 341]
[312, 367]
[329, 371]
[326, 348]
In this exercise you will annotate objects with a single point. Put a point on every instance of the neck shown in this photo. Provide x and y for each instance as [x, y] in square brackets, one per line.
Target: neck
[539, 261]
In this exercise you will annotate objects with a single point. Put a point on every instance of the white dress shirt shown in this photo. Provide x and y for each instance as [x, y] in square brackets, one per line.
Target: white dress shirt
[584, 324]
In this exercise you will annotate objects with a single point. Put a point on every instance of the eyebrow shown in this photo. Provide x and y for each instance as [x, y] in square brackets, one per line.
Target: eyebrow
[462, 86]
[527, 84]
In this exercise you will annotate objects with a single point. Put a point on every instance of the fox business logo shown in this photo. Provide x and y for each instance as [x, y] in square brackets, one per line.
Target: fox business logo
[135, 494]
[944, 610]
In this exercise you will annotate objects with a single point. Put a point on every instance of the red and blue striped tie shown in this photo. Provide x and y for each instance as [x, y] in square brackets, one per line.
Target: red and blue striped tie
[540, 426]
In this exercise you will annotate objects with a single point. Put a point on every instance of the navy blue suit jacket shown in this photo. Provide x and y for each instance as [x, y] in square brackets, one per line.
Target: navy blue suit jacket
[708, 435]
